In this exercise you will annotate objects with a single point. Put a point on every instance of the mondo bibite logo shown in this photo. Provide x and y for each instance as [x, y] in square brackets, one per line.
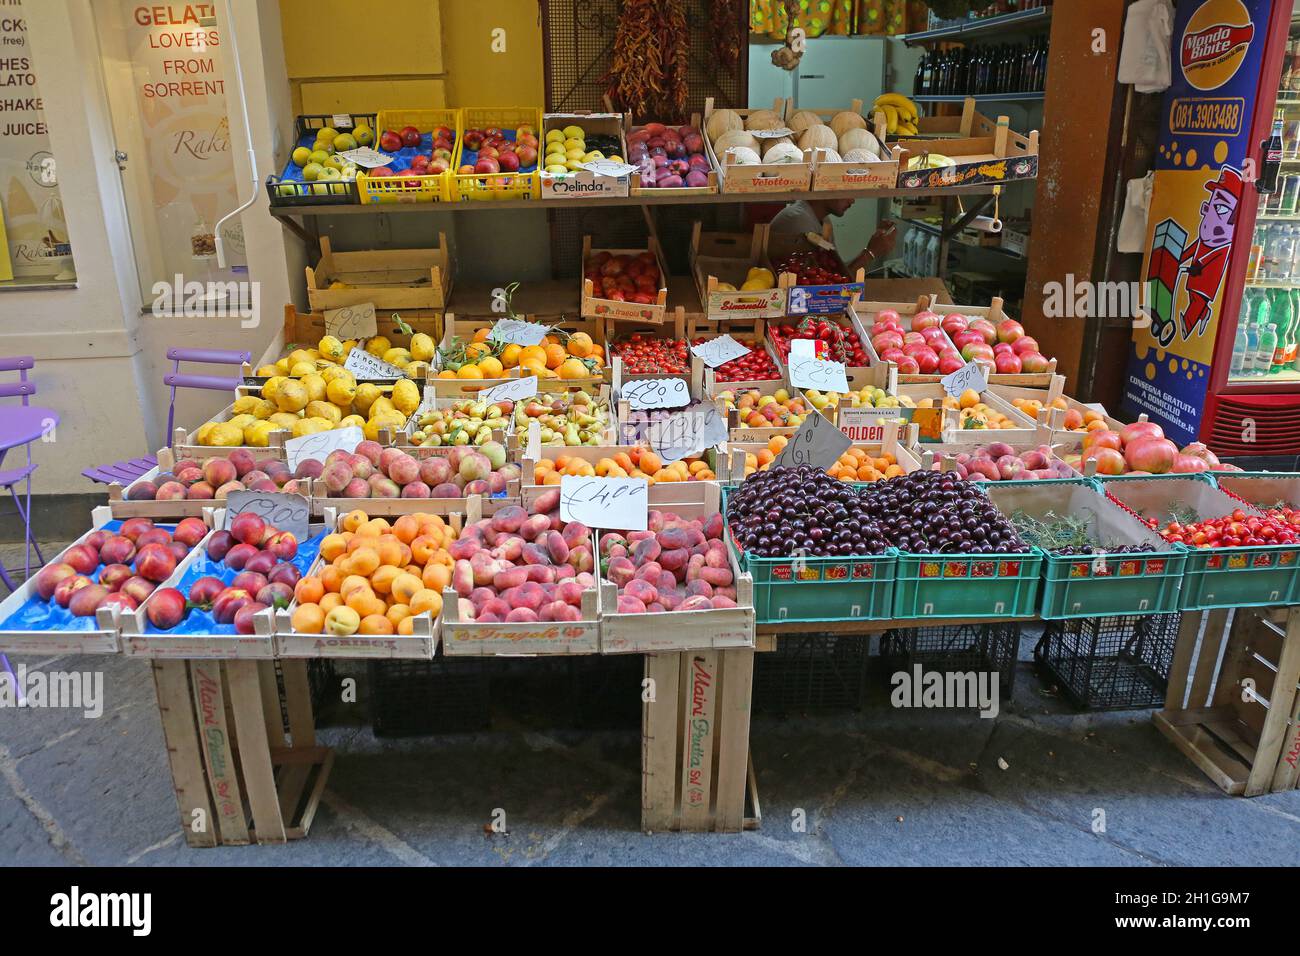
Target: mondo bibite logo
[1215, 42]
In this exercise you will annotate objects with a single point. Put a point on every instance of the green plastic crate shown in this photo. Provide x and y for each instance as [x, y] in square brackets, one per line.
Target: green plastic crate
[822, 589]
[1249, 576]
[967, 585]
[1098, 584]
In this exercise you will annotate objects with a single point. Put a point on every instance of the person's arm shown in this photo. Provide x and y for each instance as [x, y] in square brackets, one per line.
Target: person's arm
[878, 248]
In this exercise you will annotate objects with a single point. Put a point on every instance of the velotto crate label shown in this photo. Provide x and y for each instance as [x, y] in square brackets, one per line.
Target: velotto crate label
[703, 682]
[821, 299]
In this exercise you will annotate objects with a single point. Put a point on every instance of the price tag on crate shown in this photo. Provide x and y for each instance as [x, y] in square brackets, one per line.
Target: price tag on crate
[284, 511]
[647, 393]
[807, 370]
[317, 447]
[719, 351]
[513, 391]
[517, 332]
[817, 442]
[619, 503]
[352, 322]
[341, 121]
[971, 375]
[867, 426]
[687, 432]
[364, 365]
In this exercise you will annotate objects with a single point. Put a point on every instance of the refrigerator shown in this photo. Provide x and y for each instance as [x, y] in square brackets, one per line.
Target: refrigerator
[1216, 245]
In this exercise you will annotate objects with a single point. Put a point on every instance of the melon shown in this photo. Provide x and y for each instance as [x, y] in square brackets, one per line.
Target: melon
[735, 137]
[783, 153]
[846, 120]
[825, 154]
[763, 119]
[721, 121]
[860, 156]
[803, 119]
[817, 136]
[743, 156]
[858, 138]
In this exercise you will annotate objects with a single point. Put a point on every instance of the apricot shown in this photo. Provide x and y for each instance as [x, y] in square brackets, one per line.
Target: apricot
[364, 561]
[436, 576]
[426, 600]
[404, 586]
[309, 591]
[354, 520]
[383, 578]
[331, 578]
[308, 618]
[406, 627]
[376, 624]
[406, 528]
[353, 582]
[332, 545]
[365, 603]
[330, 601]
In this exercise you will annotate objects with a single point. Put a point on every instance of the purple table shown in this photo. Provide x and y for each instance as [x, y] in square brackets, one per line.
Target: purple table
[22, 425]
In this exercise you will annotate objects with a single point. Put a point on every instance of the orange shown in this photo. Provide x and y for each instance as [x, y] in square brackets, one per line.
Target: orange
[477, 349]
[405, 585]
[330, 601]
[580, 344]
[375, 624]
[436, 577]
[555, 356]
[491, 367]
[510, 355]
[469, 371]
[426, 600]
[308, 619]
[447, 373]
[354, 519]
[572, 368]
[308, 590]
[533, 353]
[481, 335]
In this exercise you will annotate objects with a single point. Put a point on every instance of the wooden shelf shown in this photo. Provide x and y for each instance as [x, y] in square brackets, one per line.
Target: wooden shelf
[986, 97]
[1006, 23]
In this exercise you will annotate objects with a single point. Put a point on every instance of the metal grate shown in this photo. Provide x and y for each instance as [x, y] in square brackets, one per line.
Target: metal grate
[1109, 663]
[810, 674]
[955, 648]
[444, 695]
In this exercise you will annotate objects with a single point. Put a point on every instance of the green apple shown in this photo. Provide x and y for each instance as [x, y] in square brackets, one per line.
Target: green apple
[311, 172]
[363, 135]
[286, 189]
[301, 156]
[344, 142]
[320, 157]
[330, 174]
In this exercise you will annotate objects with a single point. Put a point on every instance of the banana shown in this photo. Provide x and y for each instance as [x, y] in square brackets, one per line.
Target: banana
[891, 117]
[905, 106]
[930, 161]
[907, 129]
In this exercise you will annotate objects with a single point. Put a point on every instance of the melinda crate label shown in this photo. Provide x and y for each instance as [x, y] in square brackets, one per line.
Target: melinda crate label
[821, 299]
[585, 184]
[1204, 166]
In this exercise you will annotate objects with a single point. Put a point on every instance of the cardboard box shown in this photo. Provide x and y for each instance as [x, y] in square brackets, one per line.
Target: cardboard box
[584, 184]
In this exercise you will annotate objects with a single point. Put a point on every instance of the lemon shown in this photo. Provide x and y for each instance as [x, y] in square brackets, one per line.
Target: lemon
[298, 355]
[331, 348]
[309, 426]
[264, 409]
[303, 369]
[352, 421]
[281, 367]
[398, 357]
[366, 395]
[380, 406]
[754, 285]
[378, 346]
[226, 435]
[416, 370]
[266, 371]
[422, 347]
[245, 404]
[406, 397]
[291, 396]
[258, 434]
[330, 373]
[315, 386]
[204, 433]
[283, 420]
[340, 391]
[241, 421]
[325, 410]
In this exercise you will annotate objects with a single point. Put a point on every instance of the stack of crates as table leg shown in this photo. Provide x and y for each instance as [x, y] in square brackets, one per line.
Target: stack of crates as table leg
[238, 778]
[1238, 718]
[812, 673]
[1109, 663]
[955, 648]
[695, 771]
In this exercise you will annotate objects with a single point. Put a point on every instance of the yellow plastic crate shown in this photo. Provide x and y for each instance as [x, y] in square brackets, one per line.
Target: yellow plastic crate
[467, 187]
[409, 187]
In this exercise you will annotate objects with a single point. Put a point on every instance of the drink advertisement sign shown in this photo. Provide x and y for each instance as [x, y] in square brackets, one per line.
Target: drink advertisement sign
[1204, 164]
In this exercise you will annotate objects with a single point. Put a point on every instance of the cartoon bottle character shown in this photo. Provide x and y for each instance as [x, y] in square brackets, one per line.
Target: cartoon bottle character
[1204, 262]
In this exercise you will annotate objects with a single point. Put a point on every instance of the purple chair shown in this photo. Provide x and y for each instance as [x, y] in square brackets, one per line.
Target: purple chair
[125, 472]
[21, 425]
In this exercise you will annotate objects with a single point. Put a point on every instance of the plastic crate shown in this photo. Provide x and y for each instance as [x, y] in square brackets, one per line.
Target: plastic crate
[822, 589]
[1248, 576]
[967, 585]
[1105, 583]
[811, 673]
[1110, 663]
[955, 648]
[475, 188]
[290, 189]
[430, 187]
[444, 695]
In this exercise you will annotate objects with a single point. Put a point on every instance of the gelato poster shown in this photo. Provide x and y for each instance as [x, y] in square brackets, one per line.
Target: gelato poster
[1200, 180]
[34, 233]
[180, 90]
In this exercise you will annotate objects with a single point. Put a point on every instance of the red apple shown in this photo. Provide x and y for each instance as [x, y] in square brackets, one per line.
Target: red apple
[486, 165]
[389, 141]
[509, 162]
[165, 608]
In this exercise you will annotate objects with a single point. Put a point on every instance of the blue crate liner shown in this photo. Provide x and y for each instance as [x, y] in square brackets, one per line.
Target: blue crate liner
[293, 172]
[199, 621]
[37, 615]
[470, 156]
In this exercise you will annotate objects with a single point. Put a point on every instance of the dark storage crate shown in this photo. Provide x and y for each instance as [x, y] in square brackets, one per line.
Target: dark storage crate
[607, 691]
[444, 695]
[1109, 663]
[955, 648]
[323, 681]
[811, 673]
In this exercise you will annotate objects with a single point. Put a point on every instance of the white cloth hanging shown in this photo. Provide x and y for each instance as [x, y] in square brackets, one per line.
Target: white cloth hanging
[1132, 235]
[1145, 56]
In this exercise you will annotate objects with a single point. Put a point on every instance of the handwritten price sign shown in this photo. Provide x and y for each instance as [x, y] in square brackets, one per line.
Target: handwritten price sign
[719, 351]
[621, 503]
[280, 510]
[821, 374]
[352, 321]
[972, 375]
[656, 393]
[817, 442]
[317, 447]
[515, 332]
[687, 432]
[513, 391]
[365, 366]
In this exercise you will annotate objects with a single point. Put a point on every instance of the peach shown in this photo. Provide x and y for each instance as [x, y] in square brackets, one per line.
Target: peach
[308, 468]
[416, 489]
[142, 491]
[713, 527]
[361, 466]
[510, 548]
[200, 491]
[671, 539]
[541, 573]
[510, 578]
[557, 547]
[435, 471]
[404, 469]
[674, 560]
[649, 571]
[620, 571]
[372, 451]
[580, 559]
[643, 591]
[509, 519]
[496, 606]
[49, 577]
[576, 533]
[522, 615]
[356, 488]
[446, 490]
[534, 526]
[546, 502]
[529, 595]
[336, 476]
[718, 577]
[462, 578]
[721, 601]
[219, 471]
[225, 490]
[474, 466]
[696, 603]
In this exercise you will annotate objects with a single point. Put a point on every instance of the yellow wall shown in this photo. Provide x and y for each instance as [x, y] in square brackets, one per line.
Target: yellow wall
[438, 54]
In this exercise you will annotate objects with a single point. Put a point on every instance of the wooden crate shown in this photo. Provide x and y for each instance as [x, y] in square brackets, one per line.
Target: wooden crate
[465, 329]
[732, 463]
[987, 151]
[735, 177]
[388, 278]
[306, 329]
[639, 190]
[239, 778]
[1025, 430]
[842, 176]
[1238, 720]
[184, 444]
[323, 506]
[680, 630]
[695, 771]
[1054, 418]
[727, 257]
[102, 638]
[593, 307]
[123, 507]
